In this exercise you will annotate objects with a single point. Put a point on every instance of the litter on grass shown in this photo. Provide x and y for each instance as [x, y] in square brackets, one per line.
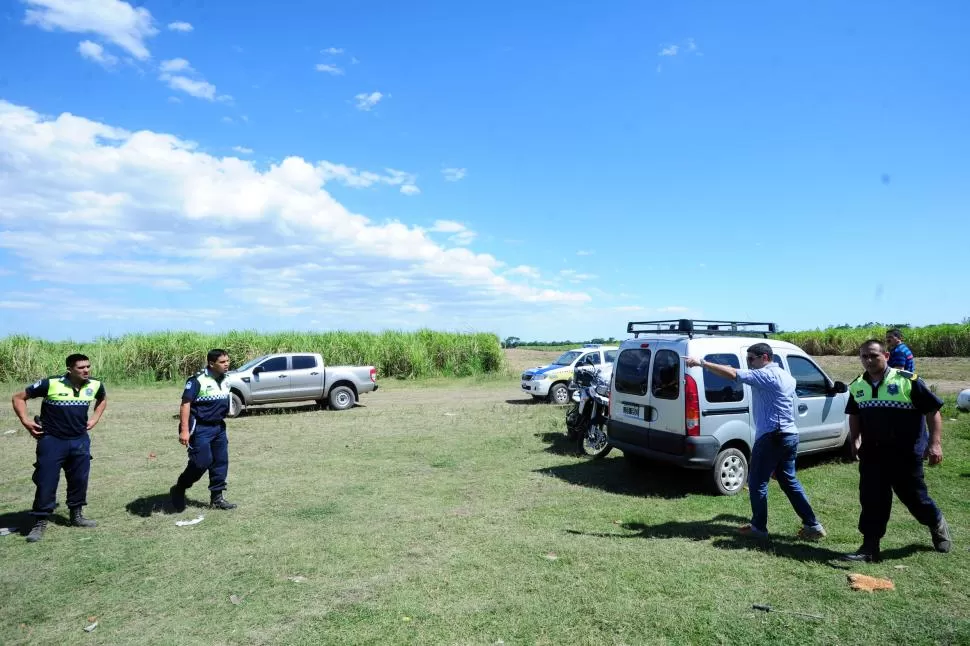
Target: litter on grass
[869, 583]
[194, 521]
[90, 627]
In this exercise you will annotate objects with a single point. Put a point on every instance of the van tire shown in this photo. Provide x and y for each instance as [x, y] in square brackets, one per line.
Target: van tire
[559, 394]
[236, 406]
[730, 472]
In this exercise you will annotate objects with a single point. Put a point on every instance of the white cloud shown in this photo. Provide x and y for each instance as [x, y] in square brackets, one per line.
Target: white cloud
[95, 52]
[349, 176]
[155, 205]
[228, 120]
[454, 174]
[460, 234]
[242, 150]
[180, 26]
[367, 101]
[175, 65]
[584, 252]
[329, 69]
[113, 20]
[175, 73]
[669, 50]
[333, 51]
[524, 270]
[174, 99]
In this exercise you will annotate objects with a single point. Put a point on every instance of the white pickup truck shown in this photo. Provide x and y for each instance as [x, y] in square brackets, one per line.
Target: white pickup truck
[297, 376]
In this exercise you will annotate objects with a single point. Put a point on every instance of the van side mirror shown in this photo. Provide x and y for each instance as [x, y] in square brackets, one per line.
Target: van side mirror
[258, 369]
[840, 387]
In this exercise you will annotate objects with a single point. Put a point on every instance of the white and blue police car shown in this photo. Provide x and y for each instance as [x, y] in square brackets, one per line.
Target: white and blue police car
[550, 382]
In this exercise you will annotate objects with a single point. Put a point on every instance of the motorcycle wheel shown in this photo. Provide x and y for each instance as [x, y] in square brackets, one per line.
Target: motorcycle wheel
[594, 443]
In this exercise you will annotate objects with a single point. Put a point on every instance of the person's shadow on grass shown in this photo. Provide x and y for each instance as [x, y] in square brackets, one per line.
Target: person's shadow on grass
[159, 503]
[20, 522]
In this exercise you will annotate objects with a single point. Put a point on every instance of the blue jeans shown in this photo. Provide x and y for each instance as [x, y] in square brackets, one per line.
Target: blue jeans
[775, 453]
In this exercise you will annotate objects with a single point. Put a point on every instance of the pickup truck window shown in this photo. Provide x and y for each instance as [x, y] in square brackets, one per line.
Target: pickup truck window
[304, 361]
[276, 364]
[611, 356]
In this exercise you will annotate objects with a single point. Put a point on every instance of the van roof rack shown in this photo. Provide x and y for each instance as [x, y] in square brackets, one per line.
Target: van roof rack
[690, 327]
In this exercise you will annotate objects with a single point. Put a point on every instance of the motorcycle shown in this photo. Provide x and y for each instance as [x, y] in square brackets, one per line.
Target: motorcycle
[586, 420]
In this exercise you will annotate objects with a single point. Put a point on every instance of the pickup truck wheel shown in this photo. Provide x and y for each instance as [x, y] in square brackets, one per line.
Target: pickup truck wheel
[236, 407]
[559, 394]
[730, 472]
[342, 398]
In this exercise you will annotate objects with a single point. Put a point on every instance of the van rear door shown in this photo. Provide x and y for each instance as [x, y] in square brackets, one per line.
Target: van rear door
[667, 399]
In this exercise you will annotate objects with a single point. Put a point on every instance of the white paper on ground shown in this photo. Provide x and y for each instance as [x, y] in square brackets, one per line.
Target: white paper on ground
[194, 521]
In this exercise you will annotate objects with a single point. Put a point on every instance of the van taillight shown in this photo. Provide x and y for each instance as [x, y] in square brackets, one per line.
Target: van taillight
[692, 408]
[373, 375]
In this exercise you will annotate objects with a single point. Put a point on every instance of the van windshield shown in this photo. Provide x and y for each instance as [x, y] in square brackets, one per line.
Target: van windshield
[567, 358]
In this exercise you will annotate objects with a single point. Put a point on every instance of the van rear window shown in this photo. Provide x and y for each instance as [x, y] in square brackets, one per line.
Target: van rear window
[719, 389]
[666, 375]
[633, 371]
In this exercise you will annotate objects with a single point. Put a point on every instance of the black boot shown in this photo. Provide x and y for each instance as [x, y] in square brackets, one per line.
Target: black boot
[219, 502]
[941, 536]
[868, 553]
[78, 519]
[178, 498]
[37, 531]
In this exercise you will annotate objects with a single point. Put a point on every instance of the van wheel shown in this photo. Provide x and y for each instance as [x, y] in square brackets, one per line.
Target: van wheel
[559, 394]
[236, 406]
[342, 398]
[730, 472]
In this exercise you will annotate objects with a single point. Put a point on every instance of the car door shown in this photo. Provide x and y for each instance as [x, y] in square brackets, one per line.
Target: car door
[306, 377]
[270, 380]
[819, 412]
[667, 399]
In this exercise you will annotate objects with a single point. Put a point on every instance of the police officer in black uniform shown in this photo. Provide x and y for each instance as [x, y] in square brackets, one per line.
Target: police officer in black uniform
[62, 438]
[202, 428]
[885, 407]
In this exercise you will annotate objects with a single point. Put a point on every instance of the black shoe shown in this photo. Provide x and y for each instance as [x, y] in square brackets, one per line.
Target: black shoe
[78, 519]
[941, 536]
[864, 554]
[178, 498]
[37, 531]
[218, 502]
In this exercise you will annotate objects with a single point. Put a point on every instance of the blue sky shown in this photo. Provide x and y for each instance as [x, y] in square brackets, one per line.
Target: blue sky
[546, 171]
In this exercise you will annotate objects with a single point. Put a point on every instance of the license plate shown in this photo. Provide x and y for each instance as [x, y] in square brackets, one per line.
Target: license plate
[631, 411]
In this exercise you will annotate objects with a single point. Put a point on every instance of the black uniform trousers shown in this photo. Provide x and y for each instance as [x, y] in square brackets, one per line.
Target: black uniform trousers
[53, 454]
[880, 474]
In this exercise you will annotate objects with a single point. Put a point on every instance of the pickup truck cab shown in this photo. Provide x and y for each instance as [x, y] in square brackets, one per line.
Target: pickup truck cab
[297, 376]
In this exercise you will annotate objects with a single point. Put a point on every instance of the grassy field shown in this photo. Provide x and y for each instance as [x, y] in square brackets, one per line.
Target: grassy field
[451, 513]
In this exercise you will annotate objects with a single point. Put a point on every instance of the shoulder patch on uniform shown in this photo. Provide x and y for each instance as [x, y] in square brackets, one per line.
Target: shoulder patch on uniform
[907, 374]
[37, 383]
[188, 384]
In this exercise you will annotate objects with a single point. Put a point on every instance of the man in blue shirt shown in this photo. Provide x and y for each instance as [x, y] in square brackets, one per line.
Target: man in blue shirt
[900, 356]
[776, 438]
[202, 429]
[62, 438]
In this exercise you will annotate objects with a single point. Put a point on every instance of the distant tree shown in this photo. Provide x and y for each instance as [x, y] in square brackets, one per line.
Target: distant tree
[511, 342]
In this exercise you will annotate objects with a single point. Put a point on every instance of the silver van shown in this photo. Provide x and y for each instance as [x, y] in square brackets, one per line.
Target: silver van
[661, 410]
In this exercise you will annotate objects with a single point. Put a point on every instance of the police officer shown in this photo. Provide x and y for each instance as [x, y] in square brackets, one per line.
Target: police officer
[202, 428]
[62, 438]
[885, 408]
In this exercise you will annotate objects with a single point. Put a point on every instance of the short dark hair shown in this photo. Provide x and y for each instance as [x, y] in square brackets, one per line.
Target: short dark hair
[759, 349]
[215, 354]
[866, 344]
[74, 358]
[895, 333]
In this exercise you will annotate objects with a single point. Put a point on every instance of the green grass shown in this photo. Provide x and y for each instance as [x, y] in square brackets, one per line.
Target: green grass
[168, 356]
[452, 515]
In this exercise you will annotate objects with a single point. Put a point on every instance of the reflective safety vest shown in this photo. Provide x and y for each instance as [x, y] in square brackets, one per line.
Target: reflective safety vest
[894, 391]
[888, 418]
[64, 412]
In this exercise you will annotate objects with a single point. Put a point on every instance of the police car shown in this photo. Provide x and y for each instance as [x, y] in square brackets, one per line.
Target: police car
[550, 382]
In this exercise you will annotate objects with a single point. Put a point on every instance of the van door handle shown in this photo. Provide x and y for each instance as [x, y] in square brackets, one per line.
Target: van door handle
[802, 408]
[282, 377]
[314, 374]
